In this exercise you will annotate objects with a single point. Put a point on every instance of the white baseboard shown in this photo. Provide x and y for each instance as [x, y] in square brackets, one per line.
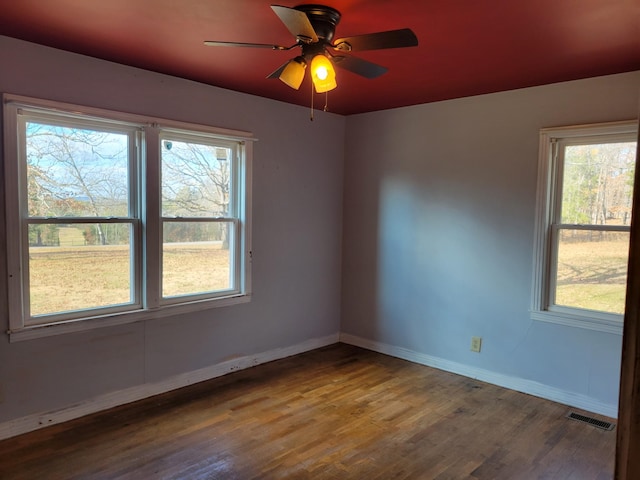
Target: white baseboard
[121, 397]
[536, 389]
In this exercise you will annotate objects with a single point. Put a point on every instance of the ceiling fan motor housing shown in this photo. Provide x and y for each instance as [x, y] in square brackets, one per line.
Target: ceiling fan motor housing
[323, 20]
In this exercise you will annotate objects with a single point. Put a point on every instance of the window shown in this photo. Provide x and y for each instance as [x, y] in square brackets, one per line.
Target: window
[201, 197]
[585, 188]
[114, 218]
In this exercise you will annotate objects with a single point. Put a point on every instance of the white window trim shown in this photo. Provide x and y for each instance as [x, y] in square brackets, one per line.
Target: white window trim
[152, 126]
[546, 189]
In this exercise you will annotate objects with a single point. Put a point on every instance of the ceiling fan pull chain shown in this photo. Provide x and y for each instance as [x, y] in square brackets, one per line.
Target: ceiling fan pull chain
[311, 102]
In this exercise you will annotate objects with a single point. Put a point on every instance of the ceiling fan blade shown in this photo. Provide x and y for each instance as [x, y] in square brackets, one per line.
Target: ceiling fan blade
[378, 41]
[297, 22]
[212, 43]
[358, 66]
[276, 73]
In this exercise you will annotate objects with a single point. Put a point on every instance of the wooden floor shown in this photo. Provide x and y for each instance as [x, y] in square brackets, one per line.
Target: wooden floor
[335, 413]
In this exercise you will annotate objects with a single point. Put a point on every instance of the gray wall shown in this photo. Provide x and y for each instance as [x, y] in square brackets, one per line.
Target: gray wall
[297, 209]
[438, 233]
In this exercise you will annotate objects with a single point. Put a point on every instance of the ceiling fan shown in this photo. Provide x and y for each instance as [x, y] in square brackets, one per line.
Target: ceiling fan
[313, 26]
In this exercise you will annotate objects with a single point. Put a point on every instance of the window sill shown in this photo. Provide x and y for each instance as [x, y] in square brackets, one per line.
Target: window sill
[612, 324]
[80, 325]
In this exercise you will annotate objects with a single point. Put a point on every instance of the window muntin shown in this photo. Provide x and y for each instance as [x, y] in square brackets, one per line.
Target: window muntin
[582, 232]
[82, 183]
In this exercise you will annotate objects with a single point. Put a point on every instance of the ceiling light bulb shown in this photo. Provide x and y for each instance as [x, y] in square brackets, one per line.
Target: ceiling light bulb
[323, 74]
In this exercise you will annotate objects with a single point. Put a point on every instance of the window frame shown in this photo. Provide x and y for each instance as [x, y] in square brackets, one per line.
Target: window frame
[144, 216]
[548, 226]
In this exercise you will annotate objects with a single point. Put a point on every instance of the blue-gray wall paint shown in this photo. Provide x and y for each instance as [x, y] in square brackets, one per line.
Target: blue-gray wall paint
[439, 209]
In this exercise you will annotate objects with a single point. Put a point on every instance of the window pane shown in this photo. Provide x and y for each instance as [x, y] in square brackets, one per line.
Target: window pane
[598, 184]
[76, 172]
[592, 270]
[195, 179]
[71, 269]
[196, 258]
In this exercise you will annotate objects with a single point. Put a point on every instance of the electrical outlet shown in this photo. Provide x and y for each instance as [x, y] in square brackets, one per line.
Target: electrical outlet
[476, 344]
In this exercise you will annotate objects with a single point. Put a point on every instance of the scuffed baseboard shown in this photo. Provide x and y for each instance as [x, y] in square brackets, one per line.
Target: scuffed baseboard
[536, 389]
[121, 397]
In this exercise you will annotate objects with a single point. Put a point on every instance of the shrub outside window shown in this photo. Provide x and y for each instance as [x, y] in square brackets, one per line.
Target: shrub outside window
[585, 190]
[113, 217]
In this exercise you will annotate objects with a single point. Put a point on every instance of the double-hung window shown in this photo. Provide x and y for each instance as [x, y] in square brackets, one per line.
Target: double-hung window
[202, 198]
[113, 217]
[585, 188]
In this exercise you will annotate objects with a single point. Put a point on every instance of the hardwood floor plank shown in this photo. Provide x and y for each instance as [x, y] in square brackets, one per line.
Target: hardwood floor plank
[335, 413]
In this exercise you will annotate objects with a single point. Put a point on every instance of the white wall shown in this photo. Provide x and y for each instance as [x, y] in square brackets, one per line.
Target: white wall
[297, 208]
[438, 238]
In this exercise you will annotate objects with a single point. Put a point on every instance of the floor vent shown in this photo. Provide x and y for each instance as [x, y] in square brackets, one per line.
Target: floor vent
[591, 421]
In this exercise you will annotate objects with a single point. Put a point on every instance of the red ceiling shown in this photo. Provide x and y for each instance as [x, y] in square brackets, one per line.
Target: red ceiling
[466, 47]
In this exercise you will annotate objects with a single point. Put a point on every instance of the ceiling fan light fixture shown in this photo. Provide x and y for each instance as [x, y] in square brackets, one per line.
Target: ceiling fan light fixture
[293, 73]
[323, 74]
[313, 27]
